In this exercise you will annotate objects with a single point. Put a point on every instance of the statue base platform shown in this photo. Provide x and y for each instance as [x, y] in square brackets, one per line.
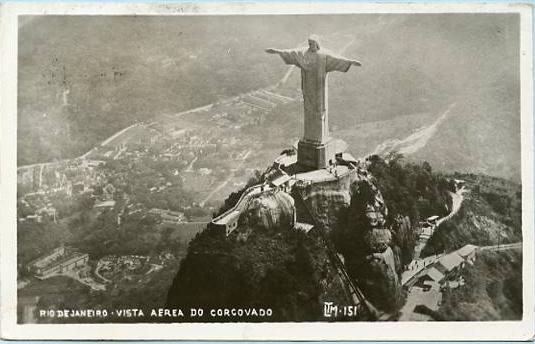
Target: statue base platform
[316, 156]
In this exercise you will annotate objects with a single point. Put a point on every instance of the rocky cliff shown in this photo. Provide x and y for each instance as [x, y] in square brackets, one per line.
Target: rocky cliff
[266, 262]
[365, 241]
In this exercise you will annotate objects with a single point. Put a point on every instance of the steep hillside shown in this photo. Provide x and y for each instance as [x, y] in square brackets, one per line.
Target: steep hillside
[376, 234]
[474, 70]
[265, 262]
[275, 268]
[493, 290]
[491, 214]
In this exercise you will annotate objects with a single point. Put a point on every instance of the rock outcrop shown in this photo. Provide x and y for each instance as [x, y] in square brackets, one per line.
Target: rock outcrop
[353, 213]
[269, 211]
[366, 242]
[327, 201]
[268, 261]
[403, 239]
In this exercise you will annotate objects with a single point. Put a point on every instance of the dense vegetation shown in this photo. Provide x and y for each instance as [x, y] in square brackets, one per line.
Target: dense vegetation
[36, 239]
[493, 290]
[219, 272]
[491, 214]
[410, 189]
[278, 269]
[412, 192]
[99, 234]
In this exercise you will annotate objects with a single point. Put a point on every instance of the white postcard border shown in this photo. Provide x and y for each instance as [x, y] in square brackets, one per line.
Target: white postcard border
[499, 330]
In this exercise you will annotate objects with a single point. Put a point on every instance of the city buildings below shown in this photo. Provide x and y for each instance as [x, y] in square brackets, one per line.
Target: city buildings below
[426, 286]
[105, 204]
[34, 218]
[168, 216]
[59, 261]
[108, 191]
[48, 213]
[304, 227]
[445, 269]
[92, 163]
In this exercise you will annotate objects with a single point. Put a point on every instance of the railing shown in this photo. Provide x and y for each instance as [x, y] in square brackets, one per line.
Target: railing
[240, 205]
[245, 194]
[333, 179]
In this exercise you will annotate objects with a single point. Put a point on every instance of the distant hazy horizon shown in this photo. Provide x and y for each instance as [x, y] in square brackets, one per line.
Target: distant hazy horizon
[83, 78]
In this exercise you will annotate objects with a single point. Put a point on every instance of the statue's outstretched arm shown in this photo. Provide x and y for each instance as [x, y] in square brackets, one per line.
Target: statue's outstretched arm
[340, 64]
[290, 57]
[273, 51]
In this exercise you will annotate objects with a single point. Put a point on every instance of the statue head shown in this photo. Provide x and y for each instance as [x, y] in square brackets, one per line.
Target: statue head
[313, 43]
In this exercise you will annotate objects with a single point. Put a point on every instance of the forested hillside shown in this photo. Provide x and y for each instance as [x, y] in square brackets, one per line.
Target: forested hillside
[279, 269]
[268, 263]
[493, 290]
[491, 214]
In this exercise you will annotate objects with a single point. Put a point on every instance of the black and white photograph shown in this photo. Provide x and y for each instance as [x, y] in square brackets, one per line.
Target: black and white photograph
[254, 168]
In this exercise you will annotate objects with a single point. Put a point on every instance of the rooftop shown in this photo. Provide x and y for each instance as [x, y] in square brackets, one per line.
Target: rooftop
[436, 275]
[45, 262]
[451, 261]
[108, 203]
[281, 180]
[66, 257]
[305, 227]
[466, 250]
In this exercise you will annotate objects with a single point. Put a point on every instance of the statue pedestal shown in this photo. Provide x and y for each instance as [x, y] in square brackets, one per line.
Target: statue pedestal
[316, 155]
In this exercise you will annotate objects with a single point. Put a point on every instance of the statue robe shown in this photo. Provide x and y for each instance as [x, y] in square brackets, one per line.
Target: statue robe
[314, 68]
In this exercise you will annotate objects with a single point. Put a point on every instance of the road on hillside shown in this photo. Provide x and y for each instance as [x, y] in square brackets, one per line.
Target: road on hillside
[502, 247]
[456, 202]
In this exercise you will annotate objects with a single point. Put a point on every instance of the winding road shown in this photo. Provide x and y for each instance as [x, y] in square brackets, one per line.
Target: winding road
[502, 247]
[457, 200]
[421, 263]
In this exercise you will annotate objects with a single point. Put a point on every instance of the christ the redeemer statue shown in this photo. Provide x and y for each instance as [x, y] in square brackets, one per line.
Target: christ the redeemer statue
[313, 148]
